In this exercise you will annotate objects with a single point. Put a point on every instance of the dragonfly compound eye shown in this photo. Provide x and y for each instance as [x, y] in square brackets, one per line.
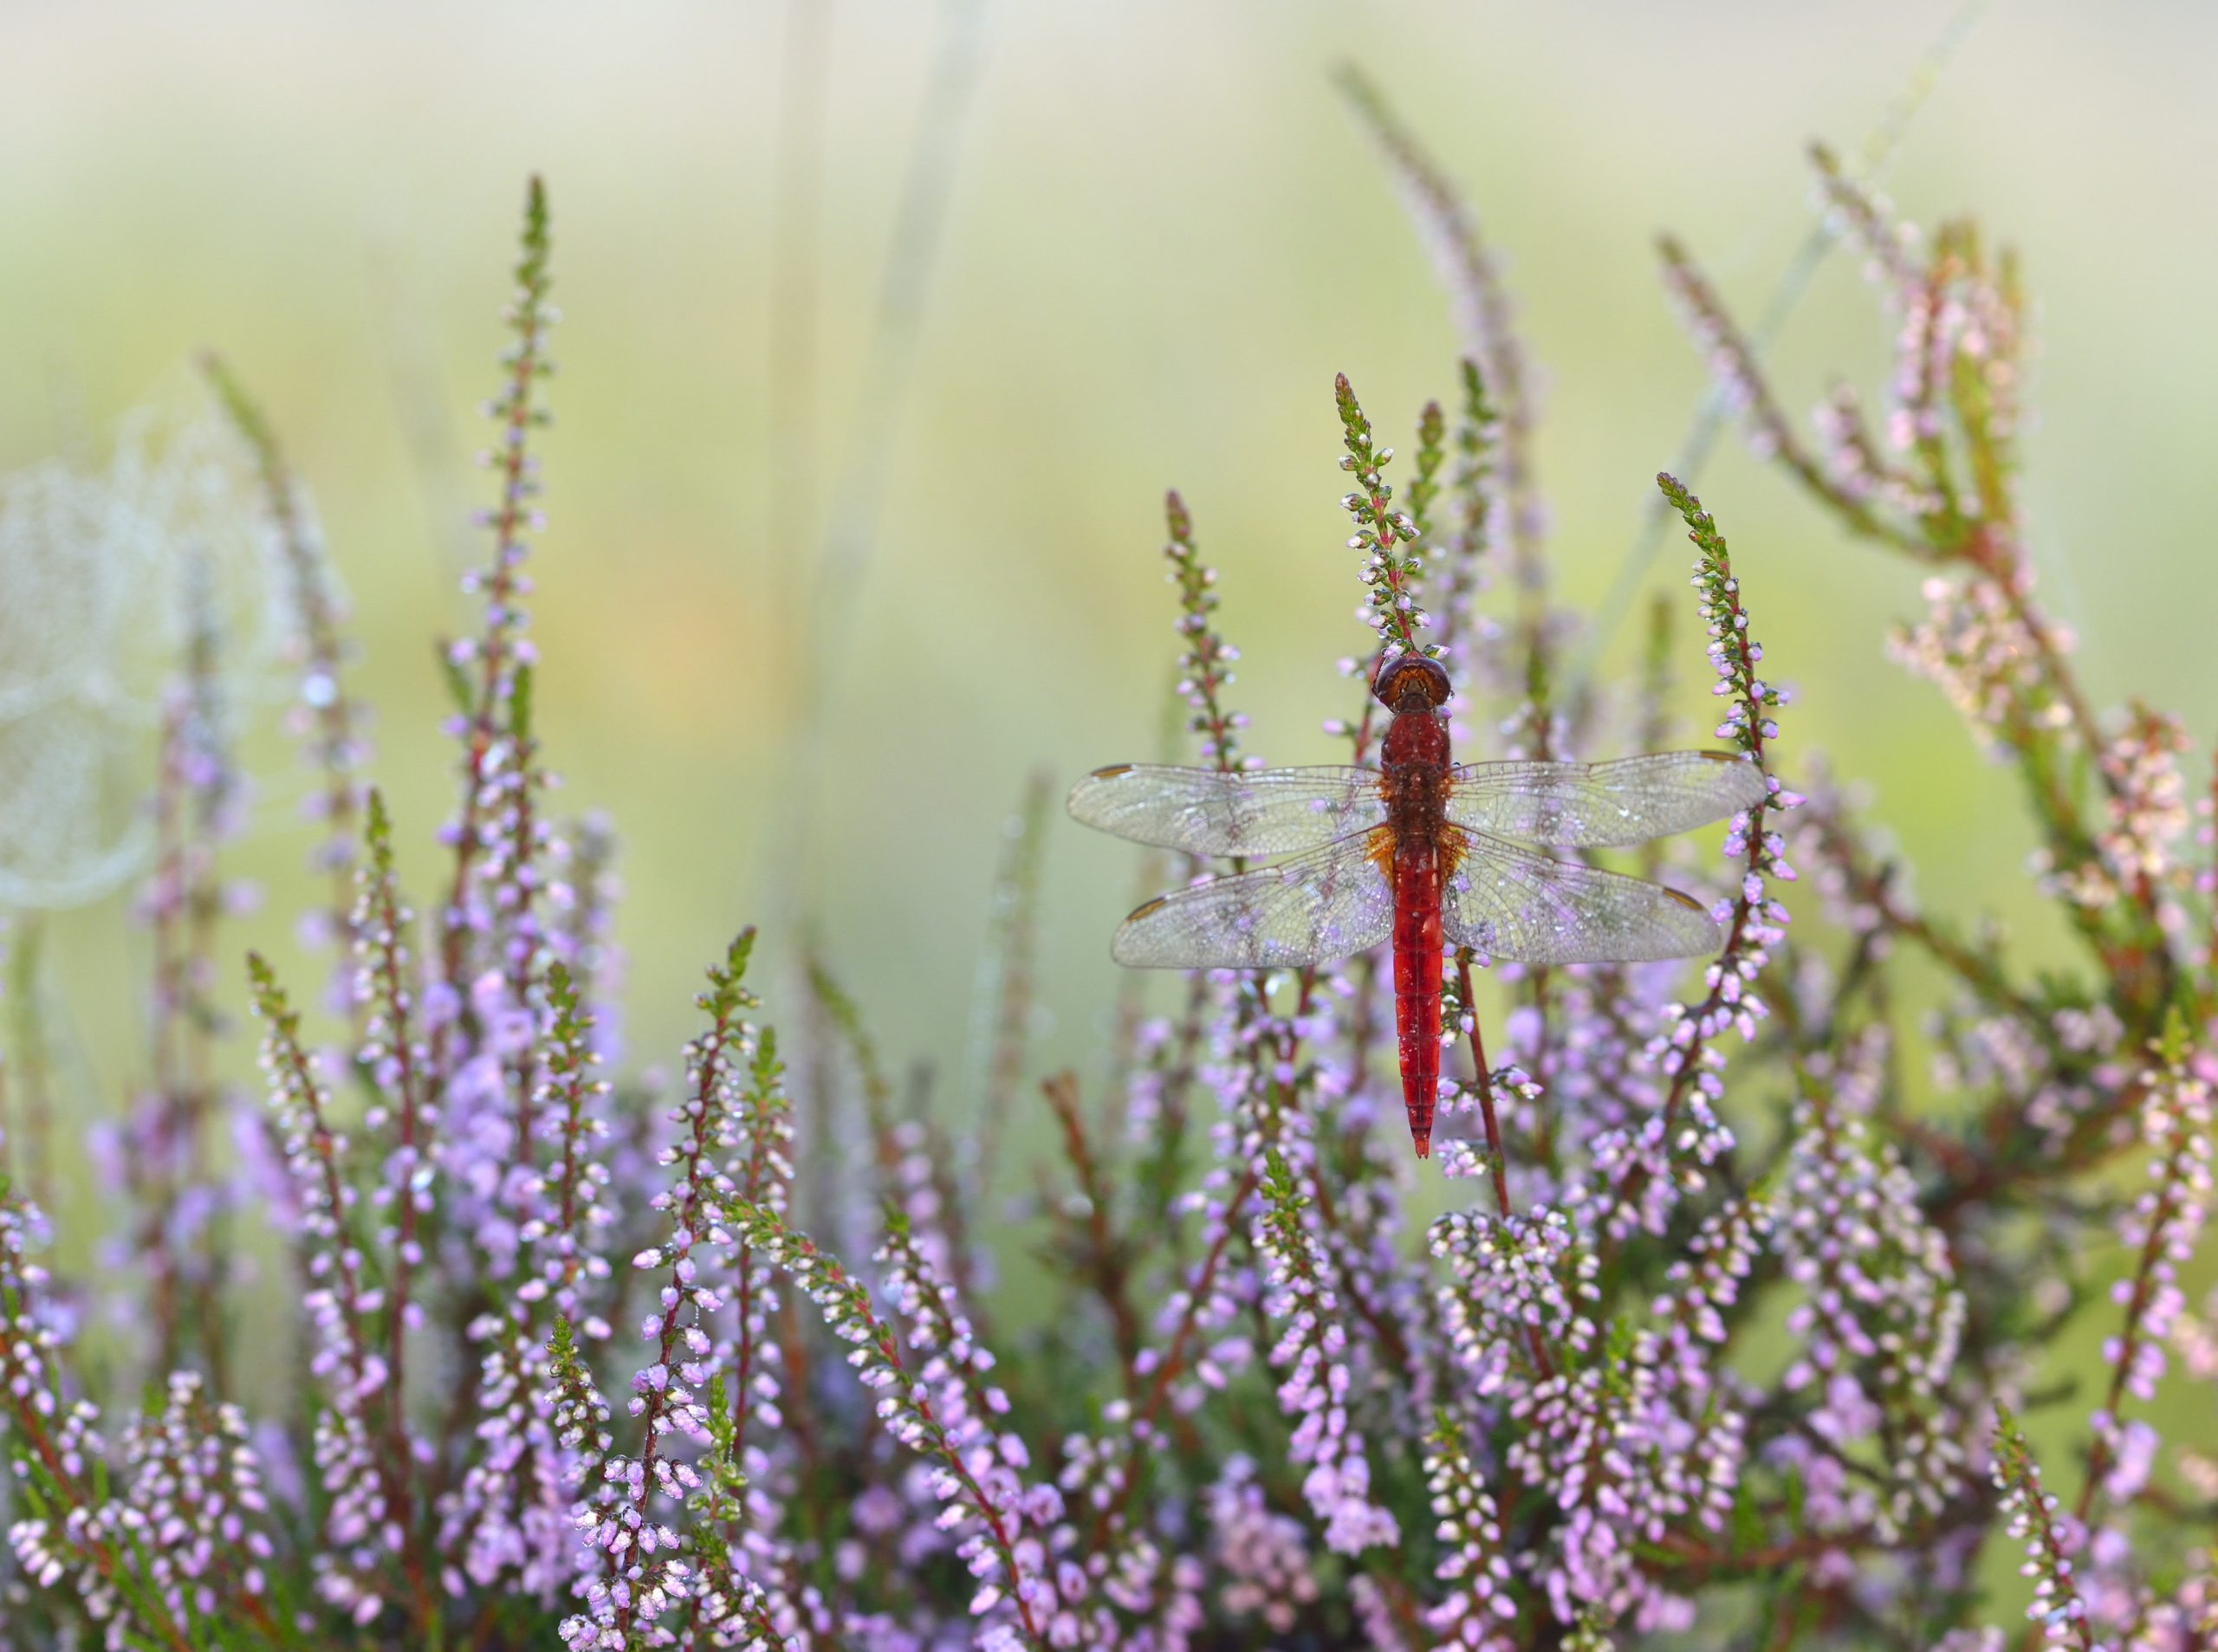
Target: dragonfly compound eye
[1411, 674]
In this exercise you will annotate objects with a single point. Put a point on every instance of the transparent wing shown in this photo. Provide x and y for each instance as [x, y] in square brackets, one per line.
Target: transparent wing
[1511, 903]
[1594, 805]
[1204, 811]
[1326, 904]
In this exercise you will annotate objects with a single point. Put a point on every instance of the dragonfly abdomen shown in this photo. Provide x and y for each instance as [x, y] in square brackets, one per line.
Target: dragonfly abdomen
[1417, 983]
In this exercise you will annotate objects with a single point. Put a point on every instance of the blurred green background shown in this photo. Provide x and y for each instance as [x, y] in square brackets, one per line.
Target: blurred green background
[1161, 236]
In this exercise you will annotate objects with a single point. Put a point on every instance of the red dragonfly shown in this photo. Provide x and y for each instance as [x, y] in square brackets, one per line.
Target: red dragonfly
[1415, 851]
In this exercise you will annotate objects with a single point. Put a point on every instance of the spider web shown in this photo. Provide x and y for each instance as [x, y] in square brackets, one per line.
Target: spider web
[105, 574]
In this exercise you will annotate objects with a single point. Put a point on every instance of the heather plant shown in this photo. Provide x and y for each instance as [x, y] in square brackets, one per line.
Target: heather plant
[1715, 1329]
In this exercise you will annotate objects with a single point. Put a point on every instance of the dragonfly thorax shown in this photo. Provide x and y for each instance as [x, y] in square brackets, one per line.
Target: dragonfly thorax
[1415, 771]
[1417, 739]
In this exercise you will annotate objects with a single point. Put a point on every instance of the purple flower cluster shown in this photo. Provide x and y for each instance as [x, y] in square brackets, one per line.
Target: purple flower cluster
[1881, 1321]
[625, 1516]
[1480, 1606]
[1314, 1375]
[343, 1307]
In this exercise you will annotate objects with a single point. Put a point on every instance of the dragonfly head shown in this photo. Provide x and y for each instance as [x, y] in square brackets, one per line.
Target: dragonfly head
[1410, 683]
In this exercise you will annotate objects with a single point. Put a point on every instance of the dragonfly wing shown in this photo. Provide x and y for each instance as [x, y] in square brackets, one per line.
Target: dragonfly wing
[1511, 903]
[1329, 903]
[1595, 805]
[1208, 812]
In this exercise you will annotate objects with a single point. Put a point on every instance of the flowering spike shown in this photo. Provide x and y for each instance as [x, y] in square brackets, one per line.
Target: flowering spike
[1203, 662]
[1383, 535]
[486, 667]
[334, 727]
[2035, 1520]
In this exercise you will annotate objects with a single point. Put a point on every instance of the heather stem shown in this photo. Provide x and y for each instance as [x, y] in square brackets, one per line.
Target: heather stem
[1482, 1081]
